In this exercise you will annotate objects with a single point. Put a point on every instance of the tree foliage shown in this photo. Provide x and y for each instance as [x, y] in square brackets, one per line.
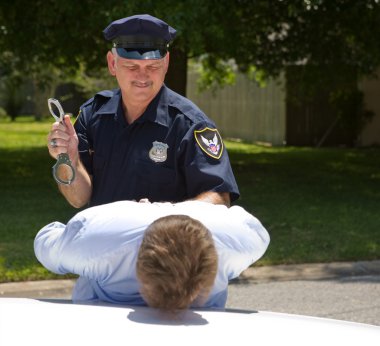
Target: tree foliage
[267, 35]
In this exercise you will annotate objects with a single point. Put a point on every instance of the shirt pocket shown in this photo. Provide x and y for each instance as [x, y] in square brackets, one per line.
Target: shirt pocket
[154, 173]
[159, 183]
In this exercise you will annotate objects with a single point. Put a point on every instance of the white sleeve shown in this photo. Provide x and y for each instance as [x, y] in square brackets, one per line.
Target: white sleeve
[239, 237]
[62, 248]
[94, 240]
[47, 246]
[241, 242]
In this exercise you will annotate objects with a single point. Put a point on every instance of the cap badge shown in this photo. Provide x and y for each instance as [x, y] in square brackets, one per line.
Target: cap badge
[210, 142]
[159, 152]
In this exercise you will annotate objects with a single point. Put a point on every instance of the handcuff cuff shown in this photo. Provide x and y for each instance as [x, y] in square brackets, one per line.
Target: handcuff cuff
[63, 160]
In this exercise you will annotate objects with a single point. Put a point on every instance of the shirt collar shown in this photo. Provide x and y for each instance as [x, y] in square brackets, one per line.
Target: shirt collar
[157, 110]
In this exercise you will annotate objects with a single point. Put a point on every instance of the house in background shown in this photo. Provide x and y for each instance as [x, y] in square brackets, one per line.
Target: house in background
[266, 115]
[244, 110]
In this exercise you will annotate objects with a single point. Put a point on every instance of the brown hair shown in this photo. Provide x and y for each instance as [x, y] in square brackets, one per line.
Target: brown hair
[177, 263]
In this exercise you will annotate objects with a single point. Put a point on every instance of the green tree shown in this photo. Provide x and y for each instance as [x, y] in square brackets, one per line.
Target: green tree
[268, 34]
[10, 86]
[264, 36]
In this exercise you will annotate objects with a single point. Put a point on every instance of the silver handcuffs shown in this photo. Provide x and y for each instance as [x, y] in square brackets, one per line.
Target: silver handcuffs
[63, 164]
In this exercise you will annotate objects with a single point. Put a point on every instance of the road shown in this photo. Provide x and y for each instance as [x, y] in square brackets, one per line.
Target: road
[354, 299]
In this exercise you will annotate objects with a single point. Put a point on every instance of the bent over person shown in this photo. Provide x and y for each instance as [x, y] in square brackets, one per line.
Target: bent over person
[168, 256]
[142, 140]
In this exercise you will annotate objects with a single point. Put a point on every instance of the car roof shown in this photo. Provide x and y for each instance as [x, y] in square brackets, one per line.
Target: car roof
[45, 322]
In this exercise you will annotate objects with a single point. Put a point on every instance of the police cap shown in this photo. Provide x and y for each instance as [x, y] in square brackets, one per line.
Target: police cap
[140, 37]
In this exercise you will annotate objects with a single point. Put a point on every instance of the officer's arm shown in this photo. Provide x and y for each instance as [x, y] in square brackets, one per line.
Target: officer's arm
[214, 197]
[78, 193]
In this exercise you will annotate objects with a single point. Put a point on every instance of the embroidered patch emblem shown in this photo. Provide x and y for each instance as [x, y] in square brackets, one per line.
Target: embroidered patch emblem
[159, 152]
[210, 142]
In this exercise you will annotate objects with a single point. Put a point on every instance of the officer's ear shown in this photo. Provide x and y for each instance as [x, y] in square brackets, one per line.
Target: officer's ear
[111, 60]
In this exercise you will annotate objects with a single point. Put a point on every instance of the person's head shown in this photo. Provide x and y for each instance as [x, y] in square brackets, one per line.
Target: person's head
[177, 263]
[139, 57]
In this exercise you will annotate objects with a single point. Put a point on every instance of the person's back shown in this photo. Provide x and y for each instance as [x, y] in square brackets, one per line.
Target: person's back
[134, 253]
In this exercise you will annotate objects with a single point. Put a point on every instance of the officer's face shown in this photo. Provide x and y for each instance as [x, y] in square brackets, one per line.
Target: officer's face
[139, 80]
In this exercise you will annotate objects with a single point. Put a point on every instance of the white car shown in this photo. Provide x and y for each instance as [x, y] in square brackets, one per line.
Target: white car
[25, 321]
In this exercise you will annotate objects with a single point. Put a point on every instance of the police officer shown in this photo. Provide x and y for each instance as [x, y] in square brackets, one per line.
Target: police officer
[142, 141]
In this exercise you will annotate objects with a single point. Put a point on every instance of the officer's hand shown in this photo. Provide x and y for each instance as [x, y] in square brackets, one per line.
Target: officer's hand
[63, 139]
[144, 200]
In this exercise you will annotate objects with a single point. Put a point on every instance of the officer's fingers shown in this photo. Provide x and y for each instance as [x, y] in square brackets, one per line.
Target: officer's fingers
[55, 126]
[61, 132]
[144, 200]
[58, 127]
[55, 146]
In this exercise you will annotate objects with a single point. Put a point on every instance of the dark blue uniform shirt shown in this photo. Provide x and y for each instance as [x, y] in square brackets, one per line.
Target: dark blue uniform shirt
[171, 153]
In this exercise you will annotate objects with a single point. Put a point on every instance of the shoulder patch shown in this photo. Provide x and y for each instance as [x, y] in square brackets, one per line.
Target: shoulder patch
[210, 142]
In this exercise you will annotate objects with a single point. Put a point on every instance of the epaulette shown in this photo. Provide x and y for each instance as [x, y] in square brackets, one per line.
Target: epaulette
[99, 97]
[187, 107]
[105, 93]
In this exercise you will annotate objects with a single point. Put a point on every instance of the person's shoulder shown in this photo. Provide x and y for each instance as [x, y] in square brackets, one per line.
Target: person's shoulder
[218, 212]
[186, 107]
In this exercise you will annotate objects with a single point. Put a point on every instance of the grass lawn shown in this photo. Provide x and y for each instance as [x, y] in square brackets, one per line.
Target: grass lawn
[318, 205]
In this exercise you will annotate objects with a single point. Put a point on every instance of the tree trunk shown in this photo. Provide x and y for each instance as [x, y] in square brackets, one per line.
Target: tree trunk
[40, 97]
[176, 78]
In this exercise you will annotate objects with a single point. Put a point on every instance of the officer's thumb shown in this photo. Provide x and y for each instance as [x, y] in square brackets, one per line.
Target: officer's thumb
[68, 124]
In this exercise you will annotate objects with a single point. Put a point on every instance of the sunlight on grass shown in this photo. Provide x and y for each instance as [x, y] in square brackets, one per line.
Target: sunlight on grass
[248, 148]
[319, 205]
[23, 134]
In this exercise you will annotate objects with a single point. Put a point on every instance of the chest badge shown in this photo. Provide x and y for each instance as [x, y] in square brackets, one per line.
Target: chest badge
[159, 152]
[210, 142]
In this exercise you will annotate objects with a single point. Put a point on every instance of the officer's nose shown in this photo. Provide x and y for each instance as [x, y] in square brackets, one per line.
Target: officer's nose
[142, 74]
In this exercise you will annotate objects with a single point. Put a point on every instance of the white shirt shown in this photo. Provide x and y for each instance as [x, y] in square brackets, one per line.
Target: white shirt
[100, 244]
